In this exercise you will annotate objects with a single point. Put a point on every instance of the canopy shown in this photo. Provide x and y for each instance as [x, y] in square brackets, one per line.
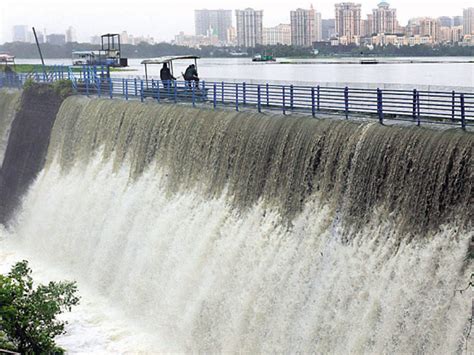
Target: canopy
[6, 58]
[168, 59]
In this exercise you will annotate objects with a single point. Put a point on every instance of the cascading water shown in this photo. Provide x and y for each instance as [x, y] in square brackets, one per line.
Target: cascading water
[8, 106]
[219, 231]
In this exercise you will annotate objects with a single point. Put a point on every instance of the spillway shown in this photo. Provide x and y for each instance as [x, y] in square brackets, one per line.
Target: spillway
[221, 231]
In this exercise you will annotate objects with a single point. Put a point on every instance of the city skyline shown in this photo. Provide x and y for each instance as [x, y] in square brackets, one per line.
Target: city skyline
[146, 20]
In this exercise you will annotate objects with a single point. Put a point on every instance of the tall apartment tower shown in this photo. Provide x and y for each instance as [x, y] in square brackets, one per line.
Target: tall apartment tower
[213, 22]
[249, 27]
[305, 27]
[430, 27]
[468, 21]
[384, 19]
[20, 33]
[348, 21]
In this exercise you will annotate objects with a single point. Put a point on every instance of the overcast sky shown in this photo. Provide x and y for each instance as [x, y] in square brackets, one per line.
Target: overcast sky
[164, 19]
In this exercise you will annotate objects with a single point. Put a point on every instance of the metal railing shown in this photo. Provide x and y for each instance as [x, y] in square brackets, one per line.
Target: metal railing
[415, 106]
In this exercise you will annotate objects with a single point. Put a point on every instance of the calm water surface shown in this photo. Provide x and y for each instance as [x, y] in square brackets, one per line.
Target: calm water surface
[442, 72]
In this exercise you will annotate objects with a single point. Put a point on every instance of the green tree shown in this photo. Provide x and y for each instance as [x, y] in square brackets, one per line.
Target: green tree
[28, 315]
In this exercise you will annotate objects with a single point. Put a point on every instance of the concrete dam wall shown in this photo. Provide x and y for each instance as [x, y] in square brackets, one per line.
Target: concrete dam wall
[223, 231]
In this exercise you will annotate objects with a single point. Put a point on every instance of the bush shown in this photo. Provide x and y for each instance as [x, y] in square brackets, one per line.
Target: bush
[28, 321]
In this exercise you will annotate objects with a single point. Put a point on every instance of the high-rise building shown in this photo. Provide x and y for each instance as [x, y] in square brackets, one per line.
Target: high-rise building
[445, 21]
[280, 34]
[384, 19]
[305, 27]
[213, 23]
[71, 35]
[328, 29]
[249, 27]
[457, 21]
[56, 39]
[468, 21]
[20, 33]
[348, 22]
[429, 27]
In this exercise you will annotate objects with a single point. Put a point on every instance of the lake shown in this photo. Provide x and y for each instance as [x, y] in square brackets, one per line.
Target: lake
[435, 72]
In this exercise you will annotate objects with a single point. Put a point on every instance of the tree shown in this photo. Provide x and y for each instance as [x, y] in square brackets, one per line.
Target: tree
[28, 321]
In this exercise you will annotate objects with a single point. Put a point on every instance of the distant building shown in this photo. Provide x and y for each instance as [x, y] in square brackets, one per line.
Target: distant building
[445, 21]
[192, 41]
[305, 27]
[457, 21]
[348, 23]
[429, 27]
[280, 34]
[249, 27]
[213, 23]
[384, 19]
[95, 40]
[468, 21]
[56, 39]
[71, 35]
[20, 33]
[328, 29]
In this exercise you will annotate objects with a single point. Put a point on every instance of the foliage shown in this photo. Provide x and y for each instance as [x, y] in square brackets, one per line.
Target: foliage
[145, 50]
[28, 315]
[63, 88]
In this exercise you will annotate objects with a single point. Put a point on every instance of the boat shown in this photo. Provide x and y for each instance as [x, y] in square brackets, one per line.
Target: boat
[263, 58]
[369, 61]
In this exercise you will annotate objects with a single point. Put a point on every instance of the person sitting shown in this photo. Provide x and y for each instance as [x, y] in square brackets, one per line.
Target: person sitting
[165, 74]
[191, 74]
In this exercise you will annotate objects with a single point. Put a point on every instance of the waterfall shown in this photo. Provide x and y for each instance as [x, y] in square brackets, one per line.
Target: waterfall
[8, 107]
[222, 231]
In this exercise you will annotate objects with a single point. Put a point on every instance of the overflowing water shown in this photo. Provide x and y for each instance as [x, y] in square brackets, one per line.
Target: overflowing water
[218, 231]
[9, 102]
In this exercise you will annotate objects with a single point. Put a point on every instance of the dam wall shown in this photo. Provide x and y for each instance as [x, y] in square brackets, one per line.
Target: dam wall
[224, 231]
[29, 121]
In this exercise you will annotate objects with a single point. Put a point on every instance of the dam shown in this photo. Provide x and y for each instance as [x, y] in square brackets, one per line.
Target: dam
[225, 231]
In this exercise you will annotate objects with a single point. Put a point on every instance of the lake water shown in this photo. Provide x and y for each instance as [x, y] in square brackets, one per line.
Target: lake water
[434, 73]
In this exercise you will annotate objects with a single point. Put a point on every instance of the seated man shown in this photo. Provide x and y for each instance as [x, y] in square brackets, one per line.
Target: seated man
[191, 74]
[165, 73]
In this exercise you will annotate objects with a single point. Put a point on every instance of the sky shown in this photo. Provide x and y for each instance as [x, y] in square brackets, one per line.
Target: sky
[163, 19]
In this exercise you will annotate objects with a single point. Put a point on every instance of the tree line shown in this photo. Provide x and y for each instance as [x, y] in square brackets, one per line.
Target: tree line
[145, 50]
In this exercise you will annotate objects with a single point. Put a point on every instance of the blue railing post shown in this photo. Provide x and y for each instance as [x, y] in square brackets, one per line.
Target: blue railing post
[111, 88]
[123, 87]
[463, 112]
[414, 103]
[99, 84]
[157, 85]
[380, 105]
[346, 101]
[319, 98]
[453, 103]
[283, 100]
[244, 93]
[126, 89]
[236, 97]
[142, 87]
[222, 91]
[136, 87]
[87, 85]
[313, 103]
[194, 93]
[259, 98]
[215, 95]
[267, 94]
[418, 120]
[175, 92]
[291, 97]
